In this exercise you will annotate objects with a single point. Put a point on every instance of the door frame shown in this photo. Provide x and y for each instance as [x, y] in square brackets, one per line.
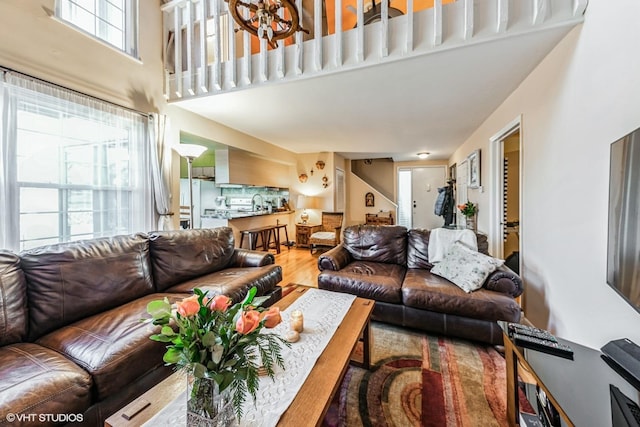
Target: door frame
[496, 152]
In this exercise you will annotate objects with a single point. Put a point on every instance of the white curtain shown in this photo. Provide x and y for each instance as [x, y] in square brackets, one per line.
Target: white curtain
[72, 166]
[9, 233]
[160, 169]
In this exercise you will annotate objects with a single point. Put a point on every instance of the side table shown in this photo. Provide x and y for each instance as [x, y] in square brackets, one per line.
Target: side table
[303, 232]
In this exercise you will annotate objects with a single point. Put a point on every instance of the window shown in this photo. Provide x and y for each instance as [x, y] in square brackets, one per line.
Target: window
[80, 167]
[113, 21]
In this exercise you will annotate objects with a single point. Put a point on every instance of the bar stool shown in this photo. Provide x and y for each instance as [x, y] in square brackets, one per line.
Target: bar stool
[252, 236]
[266, 235]
[286, 235]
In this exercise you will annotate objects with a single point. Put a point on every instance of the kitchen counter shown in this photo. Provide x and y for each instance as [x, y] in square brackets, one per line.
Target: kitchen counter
[251, 221]
[233, 214]
[257, 213]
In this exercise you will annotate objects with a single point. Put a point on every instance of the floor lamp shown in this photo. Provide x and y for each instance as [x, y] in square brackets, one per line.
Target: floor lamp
[190, 152]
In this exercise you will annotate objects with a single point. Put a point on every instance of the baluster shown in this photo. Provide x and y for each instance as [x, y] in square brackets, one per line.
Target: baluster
[280, 51]
[231, 37]
[468, 19]
[579, 7]
[338, 33]
[360, 32]
[262, 72]
[204, 66]
[299, 43]
[191, 60]
[384, 29]
[503, 15]
[317, 33]
[409, 44]
[246, 44]
[540, 11]
[437, 22]
[217, 62]
[166, 18]
[177, 42]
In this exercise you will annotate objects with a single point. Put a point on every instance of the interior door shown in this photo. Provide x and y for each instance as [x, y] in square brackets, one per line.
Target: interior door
[505, 226]
[511, 200]
[425, 182]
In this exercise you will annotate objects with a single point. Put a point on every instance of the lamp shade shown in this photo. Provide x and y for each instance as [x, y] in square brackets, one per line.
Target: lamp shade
[190, 151]
[307, 202]
[302, 202]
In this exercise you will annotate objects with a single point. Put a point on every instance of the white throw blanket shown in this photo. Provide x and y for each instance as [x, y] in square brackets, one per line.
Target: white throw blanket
[441, 239]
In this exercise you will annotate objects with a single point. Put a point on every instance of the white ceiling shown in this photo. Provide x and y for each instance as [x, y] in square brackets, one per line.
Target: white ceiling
[429, 103]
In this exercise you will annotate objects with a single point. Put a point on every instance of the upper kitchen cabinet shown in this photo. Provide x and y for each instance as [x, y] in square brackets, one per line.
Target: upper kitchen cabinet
[234, 166]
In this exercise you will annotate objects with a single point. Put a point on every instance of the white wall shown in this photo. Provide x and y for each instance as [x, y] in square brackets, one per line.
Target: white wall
[581, 98]
[36, 44]
[357, 189]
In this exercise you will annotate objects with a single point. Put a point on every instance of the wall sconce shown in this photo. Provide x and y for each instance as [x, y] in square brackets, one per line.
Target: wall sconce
[319, 165]
[303, 177]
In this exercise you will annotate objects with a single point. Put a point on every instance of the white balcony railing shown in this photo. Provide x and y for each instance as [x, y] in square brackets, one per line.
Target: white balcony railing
[206, 56]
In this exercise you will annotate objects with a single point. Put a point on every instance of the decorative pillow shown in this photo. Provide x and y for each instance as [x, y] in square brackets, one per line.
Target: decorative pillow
[465, 267]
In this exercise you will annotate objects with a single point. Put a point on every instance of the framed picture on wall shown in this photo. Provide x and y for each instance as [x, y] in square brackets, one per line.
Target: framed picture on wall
[453, 172]
[369, 200]
[473, 162]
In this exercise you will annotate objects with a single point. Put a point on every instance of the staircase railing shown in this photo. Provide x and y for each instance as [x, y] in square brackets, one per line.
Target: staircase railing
[203, 54]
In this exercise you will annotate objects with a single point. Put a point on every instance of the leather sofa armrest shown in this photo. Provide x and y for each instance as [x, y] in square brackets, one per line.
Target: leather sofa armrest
[249, 258]
[334, 259]
[506, 281]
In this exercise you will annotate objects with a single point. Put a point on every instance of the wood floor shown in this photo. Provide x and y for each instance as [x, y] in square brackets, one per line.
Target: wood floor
[298, 266]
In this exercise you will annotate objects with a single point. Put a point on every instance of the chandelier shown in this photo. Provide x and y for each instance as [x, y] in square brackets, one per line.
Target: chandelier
[264, 21]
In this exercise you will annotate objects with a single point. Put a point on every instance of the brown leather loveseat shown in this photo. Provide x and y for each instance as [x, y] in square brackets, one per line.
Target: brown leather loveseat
[72, 344]
[390, 265]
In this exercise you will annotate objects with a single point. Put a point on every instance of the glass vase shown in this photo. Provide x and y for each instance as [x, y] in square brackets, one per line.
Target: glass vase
[207, 406]
[471, 222]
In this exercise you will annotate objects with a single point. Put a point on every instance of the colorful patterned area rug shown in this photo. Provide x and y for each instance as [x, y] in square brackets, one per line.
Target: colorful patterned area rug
[422, 380]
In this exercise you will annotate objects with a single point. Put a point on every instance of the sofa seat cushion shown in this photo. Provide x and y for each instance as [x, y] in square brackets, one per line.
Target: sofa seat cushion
[235, 282]
[113, 346]
[374, 280]
[38, 380]
[426, 291]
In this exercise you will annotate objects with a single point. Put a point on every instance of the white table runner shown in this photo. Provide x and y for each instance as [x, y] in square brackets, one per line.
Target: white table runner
[323, 312]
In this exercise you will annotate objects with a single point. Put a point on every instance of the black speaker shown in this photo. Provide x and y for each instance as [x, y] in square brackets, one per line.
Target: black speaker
[624, 411]
[623, 356]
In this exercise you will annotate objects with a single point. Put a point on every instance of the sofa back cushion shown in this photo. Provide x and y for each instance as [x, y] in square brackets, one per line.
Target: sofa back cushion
[70, 281]
[418, 248]
[13, 299]
[377, 243]
[181, 255]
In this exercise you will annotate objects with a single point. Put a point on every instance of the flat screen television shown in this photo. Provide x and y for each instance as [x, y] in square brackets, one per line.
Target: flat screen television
[623, 252]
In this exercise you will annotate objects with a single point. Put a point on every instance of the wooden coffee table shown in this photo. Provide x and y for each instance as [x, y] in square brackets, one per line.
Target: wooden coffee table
[312, 401]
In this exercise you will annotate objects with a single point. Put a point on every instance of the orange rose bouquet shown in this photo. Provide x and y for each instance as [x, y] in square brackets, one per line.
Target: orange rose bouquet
[468, 209]
[213, 339]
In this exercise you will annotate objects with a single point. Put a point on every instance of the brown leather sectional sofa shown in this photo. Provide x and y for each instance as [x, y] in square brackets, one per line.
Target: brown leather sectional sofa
[72, 343]
[390, 265]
